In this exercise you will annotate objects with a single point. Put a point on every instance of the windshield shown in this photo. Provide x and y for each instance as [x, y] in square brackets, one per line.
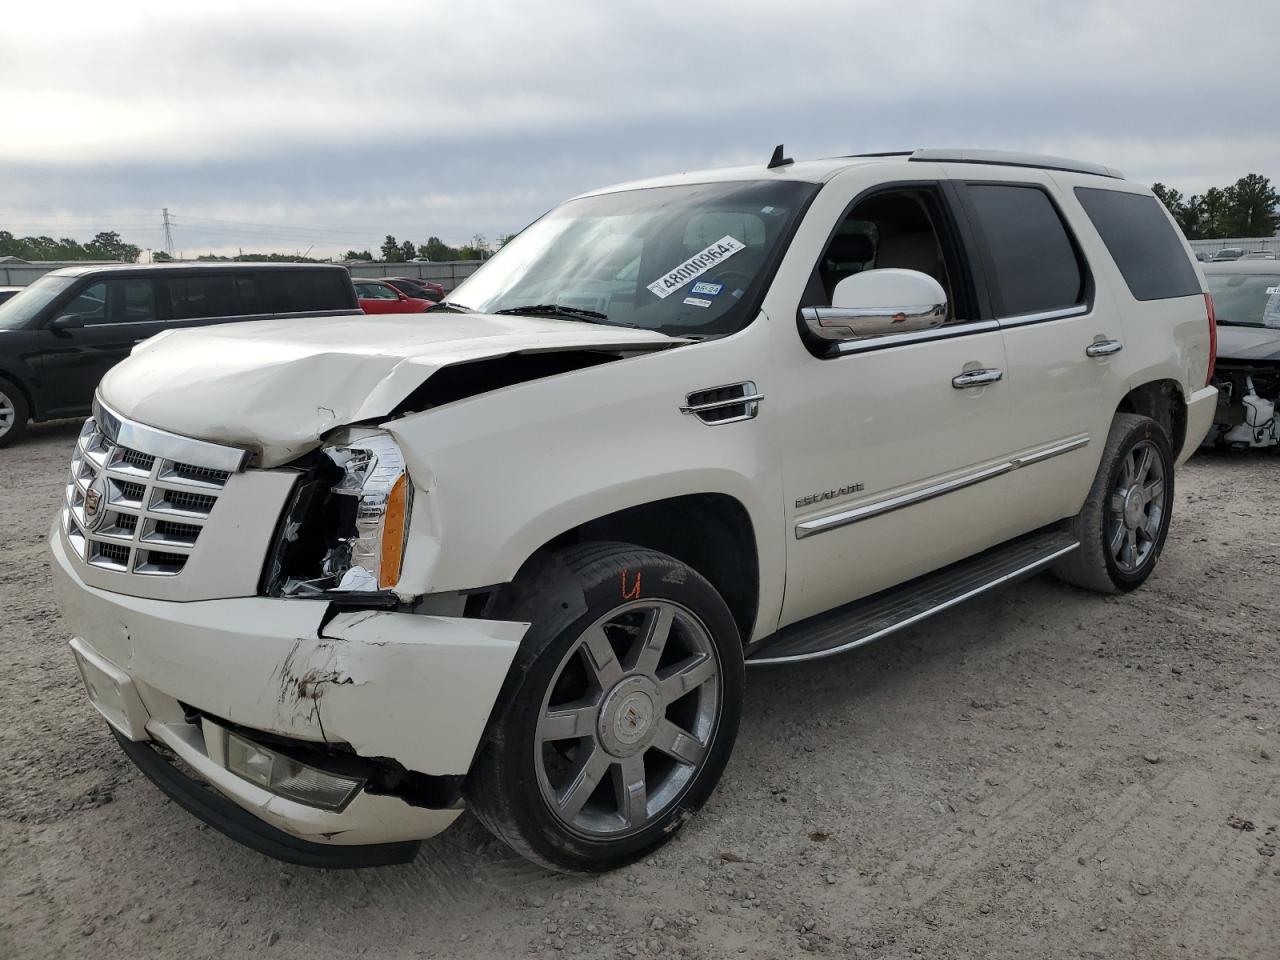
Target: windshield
[18, 310]
[686, 260]
[1246, 299]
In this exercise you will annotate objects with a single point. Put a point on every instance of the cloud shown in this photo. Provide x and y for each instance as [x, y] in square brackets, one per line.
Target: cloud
[343, 124]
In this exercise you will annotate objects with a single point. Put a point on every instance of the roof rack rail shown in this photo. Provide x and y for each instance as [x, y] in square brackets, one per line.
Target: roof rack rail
[1010, 159]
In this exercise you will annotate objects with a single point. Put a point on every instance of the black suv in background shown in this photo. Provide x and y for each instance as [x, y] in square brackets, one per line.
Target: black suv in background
[62, 333]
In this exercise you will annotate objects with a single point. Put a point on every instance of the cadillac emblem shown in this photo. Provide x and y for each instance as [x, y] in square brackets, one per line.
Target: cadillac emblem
[94, 504]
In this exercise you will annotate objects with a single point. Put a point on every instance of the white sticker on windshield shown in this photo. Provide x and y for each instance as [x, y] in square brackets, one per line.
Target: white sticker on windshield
[1271, 312]
[697, 302]
[696, 266]
[1272, 291]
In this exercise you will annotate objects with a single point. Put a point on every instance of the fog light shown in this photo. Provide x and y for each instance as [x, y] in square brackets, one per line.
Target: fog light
[287, 777]
[104, 693]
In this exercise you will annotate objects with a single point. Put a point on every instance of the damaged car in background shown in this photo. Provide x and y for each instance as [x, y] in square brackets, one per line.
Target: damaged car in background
[1246, 299]
[332, 581]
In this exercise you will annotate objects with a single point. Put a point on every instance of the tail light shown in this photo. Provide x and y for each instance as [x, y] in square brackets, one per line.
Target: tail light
[1213, 338]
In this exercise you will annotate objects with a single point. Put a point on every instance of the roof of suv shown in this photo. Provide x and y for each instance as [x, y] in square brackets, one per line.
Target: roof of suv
[205, 265]
[819, 171]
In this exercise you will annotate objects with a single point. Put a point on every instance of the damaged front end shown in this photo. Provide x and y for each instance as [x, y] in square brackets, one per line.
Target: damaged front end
[310, 721]
[344, 529]
[1248, 397]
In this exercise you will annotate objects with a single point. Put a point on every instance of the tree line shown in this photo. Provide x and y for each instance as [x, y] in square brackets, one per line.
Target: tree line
[1250, 207]
[106, 245]
[435, 250]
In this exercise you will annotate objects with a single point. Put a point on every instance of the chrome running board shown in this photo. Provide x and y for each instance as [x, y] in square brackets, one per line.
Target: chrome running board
[890, 610]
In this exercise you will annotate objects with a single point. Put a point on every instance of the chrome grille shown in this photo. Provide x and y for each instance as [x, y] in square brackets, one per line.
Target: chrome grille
[132, 506]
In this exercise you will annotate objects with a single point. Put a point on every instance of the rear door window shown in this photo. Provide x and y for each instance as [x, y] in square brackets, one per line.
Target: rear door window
[1142, 241]
[201, 297]
[1036, 266]
[133, 301]
[250, 295]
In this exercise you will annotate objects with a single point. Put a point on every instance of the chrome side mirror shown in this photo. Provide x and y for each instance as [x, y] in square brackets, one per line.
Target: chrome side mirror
[876, 303]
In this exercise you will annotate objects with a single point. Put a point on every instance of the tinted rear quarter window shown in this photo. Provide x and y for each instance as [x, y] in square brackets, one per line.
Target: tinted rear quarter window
[1036, 266]
[1142, 241]
[295, 291]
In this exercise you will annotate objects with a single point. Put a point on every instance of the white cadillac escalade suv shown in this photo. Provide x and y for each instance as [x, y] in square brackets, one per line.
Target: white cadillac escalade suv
[358, 573]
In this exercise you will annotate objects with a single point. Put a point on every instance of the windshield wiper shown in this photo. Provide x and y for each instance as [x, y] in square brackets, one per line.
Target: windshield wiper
[455, 307]
[567, 313]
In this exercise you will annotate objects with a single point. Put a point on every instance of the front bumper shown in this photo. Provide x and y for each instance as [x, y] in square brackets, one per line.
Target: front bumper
[414, 689]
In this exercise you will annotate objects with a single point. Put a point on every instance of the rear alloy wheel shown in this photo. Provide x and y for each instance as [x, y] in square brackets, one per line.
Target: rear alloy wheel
[1125, 519]
[13, 413]
[619, 712]
[1137, 508]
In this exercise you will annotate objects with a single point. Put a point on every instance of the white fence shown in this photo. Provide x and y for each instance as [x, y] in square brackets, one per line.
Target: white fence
[1247, 244]
[448, 273]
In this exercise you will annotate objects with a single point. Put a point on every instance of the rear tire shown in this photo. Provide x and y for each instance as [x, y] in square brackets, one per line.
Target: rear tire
[619, 712]
[14, 413]
[1125, 519]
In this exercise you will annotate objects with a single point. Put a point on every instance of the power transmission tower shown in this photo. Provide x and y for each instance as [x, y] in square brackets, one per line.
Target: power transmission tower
[168, 234]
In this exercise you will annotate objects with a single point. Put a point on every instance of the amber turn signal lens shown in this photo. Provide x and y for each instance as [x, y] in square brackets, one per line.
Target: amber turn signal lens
[394, 524]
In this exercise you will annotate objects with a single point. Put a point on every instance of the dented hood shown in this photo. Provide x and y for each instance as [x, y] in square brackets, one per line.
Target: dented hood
[1248, 343]
[277, 386]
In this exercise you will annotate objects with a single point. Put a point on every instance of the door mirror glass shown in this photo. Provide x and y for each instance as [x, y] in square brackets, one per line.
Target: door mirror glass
[875, 303]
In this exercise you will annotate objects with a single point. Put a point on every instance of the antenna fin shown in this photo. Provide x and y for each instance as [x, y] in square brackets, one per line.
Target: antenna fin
[778, 160]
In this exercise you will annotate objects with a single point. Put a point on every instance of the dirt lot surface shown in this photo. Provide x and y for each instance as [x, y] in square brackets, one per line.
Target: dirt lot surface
[1043, 773]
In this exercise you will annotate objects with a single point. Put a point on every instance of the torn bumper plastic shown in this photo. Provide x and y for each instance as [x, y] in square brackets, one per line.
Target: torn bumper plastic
[414, 689]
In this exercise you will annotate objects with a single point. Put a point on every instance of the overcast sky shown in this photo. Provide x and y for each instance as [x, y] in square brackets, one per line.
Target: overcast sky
[336, 124]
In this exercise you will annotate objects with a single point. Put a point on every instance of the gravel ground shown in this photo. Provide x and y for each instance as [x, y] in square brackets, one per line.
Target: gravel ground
[1043, 773]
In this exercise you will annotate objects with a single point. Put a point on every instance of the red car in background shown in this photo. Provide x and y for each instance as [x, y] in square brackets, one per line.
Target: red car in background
[417, 287]
[377, 296]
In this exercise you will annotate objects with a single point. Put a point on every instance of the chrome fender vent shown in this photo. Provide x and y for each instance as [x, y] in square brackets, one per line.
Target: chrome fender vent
[727, 404]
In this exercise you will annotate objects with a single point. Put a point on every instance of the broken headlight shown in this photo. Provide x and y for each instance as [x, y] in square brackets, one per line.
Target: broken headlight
[346, 527]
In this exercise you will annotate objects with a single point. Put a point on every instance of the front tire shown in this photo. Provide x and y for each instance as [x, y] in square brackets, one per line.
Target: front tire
[14, 413]
[1125, 519]
[620, 711]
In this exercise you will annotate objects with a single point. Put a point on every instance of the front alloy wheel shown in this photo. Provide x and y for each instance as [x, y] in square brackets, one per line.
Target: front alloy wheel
[619, 712]
[627, 719]
[13, 413]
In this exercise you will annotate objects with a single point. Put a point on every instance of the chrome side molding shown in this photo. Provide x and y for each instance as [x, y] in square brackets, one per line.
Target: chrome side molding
[876, 508]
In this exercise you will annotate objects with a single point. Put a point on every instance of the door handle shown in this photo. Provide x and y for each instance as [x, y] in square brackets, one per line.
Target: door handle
[1103, 348]
[976, 378]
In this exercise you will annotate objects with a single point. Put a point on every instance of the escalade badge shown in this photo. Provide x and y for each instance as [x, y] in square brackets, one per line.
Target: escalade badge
[824, 495]
[93, 504]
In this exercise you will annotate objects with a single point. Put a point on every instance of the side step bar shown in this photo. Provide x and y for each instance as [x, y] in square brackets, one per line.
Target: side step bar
[883, 613]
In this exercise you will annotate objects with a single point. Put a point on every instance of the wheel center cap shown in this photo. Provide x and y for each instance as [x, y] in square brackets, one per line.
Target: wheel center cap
[628, 716]
[1134, 512]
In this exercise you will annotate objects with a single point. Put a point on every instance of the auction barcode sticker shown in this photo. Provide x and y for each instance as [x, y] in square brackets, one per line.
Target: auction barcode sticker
[696, 266]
